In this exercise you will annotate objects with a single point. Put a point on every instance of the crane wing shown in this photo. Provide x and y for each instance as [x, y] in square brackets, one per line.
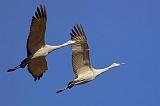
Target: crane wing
[37, 67]
[80, 51]
[36, 38]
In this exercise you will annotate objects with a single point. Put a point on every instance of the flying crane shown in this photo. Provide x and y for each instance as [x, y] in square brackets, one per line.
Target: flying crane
[37, 49]
[82, 68]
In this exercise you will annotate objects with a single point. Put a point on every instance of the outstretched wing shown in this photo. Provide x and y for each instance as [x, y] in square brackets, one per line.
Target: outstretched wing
[36, 38]
[80, 51]
[37, 67]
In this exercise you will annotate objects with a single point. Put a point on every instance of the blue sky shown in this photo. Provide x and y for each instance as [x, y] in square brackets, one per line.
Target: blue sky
[117, 30]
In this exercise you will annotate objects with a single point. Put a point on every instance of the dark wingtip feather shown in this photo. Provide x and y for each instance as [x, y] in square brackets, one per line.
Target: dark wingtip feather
[36, 14]
[33, 17]
[39, 12]
[77, 25]
[41, 9]
[77, 31]
[74, 33]
[75, 28]
[72, 36]
[40, 5]
[83, 31]
[45, 12]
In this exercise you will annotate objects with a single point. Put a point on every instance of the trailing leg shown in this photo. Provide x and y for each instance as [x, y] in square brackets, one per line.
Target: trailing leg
[69, 86]
[22, 65]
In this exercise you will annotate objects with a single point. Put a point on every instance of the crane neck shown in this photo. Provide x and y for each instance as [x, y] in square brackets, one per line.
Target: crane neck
[52, 48]
[100, 71]
[70, 42]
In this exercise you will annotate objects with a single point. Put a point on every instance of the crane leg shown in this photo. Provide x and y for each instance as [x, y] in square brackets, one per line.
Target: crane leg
[22, 65]
[25, 62]
[69, 86]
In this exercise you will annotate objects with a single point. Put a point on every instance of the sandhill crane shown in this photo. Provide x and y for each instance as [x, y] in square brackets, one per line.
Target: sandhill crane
[82, 68]
[36, 47]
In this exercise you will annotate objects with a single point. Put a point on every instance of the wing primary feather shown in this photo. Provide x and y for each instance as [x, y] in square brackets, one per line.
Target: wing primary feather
[36, 14]
[39, 12]
[33, 17]
[77, 31]
[80, 37]
[76, 36]
[45, 12]
[83, 32]
[41, 9]
[73, 32]
[72, 36]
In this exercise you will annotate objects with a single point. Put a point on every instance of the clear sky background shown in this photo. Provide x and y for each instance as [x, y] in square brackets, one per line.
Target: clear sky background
[117, 30]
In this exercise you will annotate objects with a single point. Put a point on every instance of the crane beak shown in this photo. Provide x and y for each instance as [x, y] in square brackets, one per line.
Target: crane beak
[116, 64]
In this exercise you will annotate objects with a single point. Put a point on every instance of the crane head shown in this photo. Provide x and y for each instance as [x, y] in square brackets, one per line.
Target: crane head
[116, 64]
